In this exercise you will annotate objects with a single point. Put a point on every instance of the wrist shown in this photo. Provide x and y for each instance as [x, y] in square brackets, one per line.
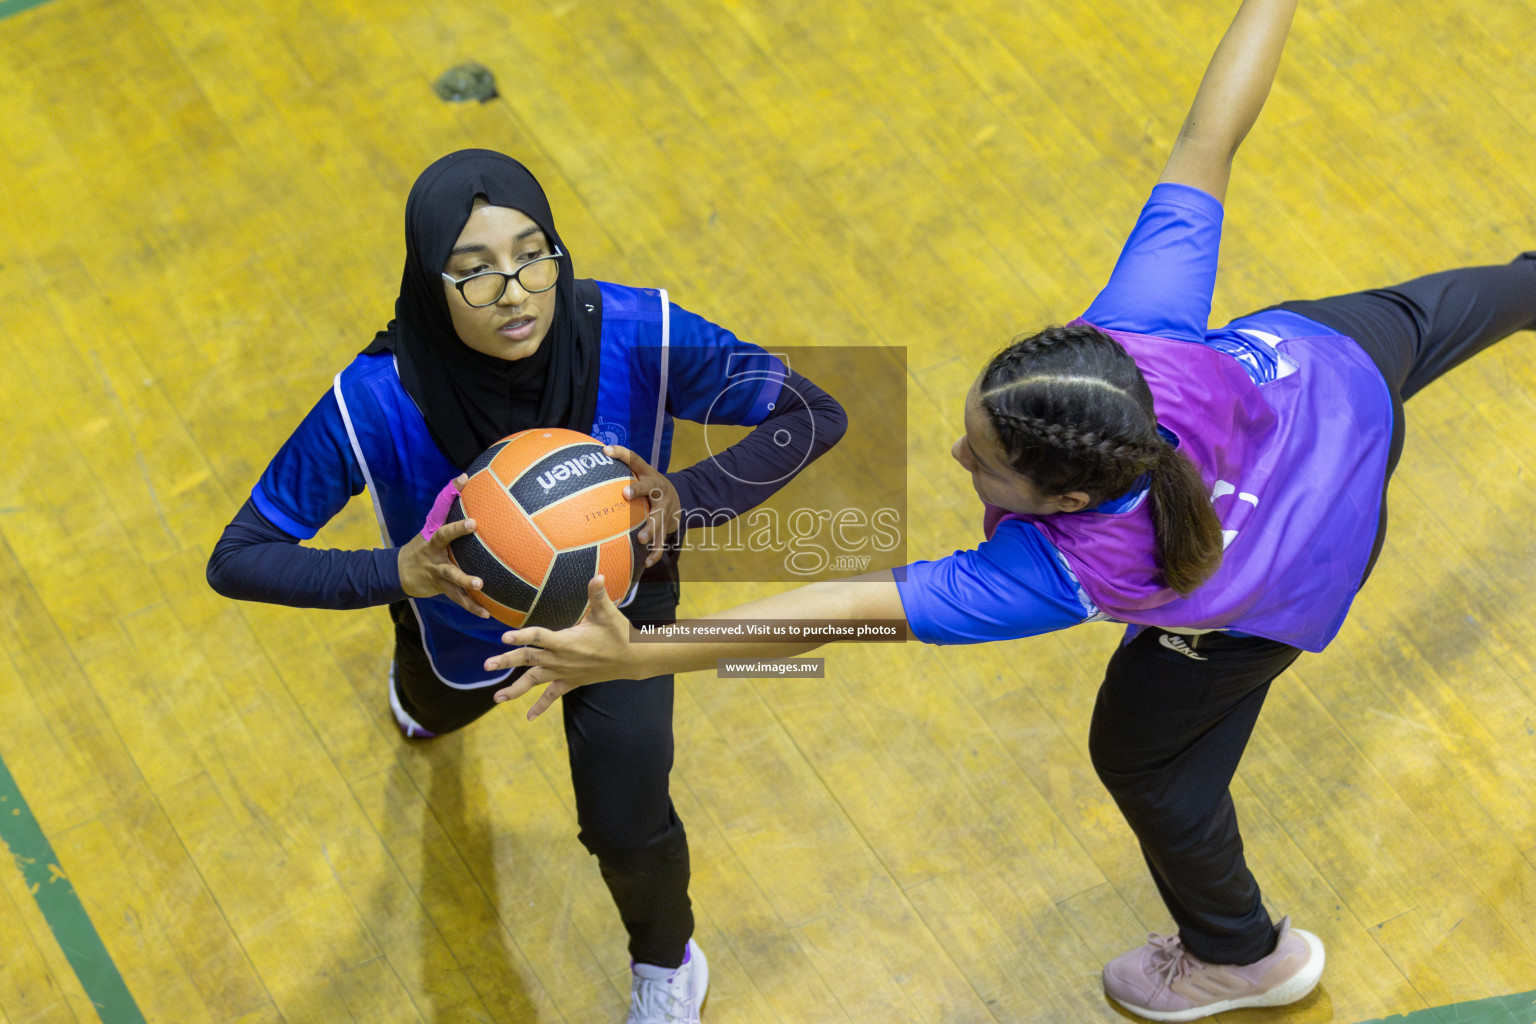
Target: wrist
[407, 567]
[640, 659]
[386, 563]
[683, 488]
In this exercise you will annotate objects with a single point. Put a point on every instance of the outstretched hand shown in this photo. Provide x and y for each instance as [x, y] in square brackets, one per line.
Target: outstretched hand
[653, 485]
[595, 649]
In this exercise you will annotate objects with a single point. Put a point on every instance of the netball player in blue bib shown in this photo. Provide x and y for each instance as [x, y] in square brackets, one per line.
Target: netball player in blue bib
[1221, 491]
[493, 333]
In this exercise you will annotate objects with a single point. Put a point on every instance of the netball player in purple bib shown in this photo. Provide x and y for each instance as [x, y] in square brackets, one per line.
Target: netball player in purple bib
[1220, 491]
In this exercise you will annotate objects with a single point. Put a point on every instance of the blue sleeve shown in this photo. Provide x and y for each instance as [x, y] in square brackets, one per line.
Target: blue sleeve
[1012, 586]
[715, 377]
[313, 475]
[256, 561]
[1163, 281]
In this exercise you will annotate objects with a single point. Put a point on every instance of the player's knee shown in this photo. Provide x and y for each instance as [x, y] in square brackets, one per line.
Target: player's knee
[1166, 815]
[627, 844]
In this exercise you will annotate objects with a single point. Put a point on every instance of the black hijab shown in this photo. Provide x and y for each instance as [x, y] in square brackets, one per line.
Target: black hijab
[471, 399]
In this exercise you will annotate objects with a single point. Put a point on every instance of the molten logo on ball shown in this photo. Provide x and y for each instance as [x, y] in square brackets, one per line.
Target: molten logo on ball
[572, 467]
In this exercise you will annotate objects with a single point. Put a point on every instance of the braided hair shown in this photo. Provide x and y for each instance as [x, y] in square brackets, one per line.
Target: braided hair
[1073, 413]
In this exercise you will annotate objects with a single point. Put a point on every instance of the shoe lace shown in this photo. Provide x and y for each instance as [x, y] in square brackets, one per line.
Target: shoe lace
[1169, 961]
[659, 1001]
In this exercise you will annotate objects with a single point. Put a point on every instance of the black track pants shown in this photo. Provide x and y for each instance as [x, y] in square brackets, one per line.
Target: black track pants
[619, 736]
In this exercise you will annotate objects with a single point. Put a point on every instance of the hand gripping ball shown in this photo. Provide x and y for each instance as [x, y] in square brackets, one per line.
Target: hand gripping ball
[550, 513]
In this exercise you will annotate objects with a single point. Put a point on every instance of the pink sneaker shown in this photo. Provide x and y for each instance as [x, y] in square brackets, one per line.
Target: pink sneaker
[1161, 981]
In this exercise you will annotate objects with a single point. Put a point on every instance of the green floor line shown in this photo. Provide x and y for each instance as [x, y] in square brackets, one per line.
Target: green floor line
[104, 985]
[56, 898]
[1515, 1009]
[10, 7]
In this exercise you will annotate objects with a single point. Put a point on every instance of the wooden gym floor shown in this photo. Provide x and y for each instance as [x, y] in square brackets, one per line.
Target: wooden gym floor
[201, 222]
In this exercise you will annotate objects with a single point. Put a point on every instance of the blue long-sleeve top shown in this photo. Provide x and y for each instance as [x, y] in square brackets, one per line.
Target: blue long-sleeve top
[255, 560]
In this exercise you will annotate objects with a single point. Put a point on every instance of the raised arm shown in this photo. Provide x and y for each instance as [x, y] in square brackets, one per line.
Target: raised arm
[1230, 96]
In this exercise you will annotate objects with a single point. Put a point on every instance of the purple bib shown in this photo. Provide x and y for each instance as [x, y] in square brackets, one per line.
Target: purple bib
[1296, 469]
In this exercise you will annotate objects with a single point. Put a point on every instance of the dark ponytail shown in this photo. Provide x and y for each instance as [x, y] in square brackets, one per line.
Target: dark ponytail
[1073, 413]
[1189, 542]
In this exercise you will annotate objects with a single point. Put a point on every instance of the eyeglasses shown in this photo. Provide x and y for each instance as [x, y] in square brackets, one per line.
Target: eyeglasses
[487, 287]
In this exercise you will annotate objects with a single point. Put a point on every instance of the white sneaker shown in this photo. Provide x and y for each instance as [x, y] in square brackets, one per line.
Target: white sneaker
[674, 999]
[408, 726]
